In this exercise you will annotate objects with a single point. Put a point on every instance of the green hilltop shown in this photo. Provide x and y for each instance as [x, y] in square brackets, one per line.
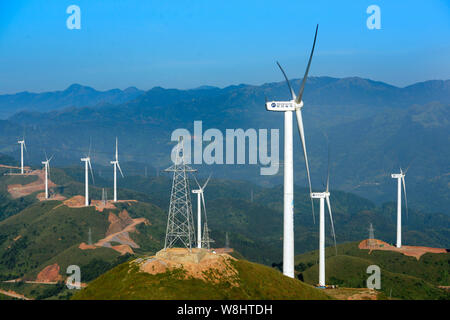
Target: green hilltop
[402, 277]
[35, 235]
[253, 281]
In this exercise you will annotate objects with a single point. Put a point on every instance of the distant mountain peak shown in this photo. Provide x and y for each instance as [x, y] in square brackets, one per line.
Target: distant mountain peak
[205, 87]
[76, 87]
[131, 90]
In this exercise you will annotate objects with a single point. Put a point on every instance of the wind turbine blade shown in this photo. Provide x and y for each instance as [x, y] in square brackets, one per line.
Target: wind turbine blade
[287, 81]
[92, 173]
[118, 165]
[410, 163]
[25, 146]
[196, 181]
[45, 153]
[51, 157]
[117, 151]
[302, 86]
[298, 113]
[48, 169]
[90, 144]
[204, 206]
[332, 223]
[404, 192]
[207, 181]
[328, 170]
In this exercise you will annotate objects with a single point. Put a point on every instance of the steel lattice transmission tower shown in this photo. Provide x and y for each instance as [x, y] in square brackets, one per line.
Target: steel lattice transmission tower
[180, 222]
[206, 240]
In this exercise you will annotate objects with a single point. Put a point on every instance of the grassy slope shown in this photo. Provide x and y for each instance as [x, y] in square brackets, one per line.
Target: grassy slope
[255, 282]
[405, 276]
[9, 206]
[51, 232]
[46, 229]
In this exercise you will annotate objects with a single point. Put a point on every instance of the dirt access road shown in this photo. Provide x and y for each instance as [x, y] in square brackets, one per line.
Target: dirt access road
[14, 295]
[412, 251]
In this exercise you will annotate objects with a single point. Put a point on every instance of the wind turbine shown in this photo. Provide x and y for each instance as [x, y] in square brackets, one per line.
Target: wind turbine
[323, 196]
[200, 195]
[116, 165]
[87, 166]
[400, 180]
[288, 107]
[22, 145]
[46, 164]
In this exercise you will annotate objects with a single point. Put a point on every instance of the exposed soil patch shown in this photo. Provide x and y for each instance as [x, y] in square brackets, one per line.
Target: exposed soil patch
[199, 263]
[123, 249]
[412, 251]
[75, 202]
[13, 167]
[85, 246]
[49, 274]
[118, 223]
[118, 232]
[18, 190]
[353, 293]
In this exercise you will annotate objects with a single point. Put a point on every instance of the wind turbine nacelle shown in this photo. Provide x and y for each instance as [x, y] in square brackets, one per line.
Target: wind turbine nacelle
[396, 175]
[318, 195]
[282, 105]
[196, 191]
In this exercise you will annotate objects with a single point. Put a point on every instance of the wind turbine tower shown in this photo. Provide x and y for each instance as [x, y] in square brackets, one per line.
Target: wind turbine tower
[323, 196]
[90, 237]
[200, 198]
[400, 180]
[295, 104]
[46, 164]
[116, 165]
[371, 241]
[87, 166]
[22, 145]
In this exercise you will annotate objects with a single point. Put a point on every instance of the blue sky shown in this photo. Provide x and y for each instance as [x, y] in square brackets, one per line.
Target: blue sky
[188, 43]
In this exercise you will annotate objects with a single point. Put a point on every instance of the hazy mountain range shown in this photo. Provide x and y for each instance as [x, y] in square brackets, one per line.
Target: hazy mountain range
[372, 129]
[74, 96]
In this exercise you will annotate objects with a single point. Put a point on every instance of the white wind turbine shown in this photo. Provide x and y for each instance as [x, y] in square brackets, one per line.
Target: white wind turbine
[87, 166]
[116, 165]
[400, 180]
[323, 196]
[22, 145]
[288, 107]
[201, 197]
[46, 164]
